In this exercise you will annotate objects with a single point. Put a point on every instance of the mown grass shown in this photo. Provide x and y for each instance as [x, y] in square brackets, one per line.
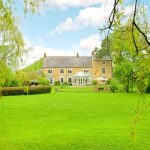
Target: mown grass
[72, 121]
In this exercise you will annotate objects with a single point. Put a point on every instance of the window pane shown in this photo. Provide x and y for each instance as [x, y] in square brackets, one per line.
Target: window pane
[61, 70]
[103, 70]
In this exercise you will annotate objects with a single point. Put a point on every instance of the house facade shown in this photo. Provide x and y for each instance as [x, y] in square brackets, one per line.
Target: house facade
[77, 70]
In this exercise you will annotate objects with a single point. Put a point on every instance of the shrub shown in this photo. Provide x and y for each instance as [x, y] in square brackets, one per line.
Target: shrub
[148, 89]
[142, 85]
[70, 83]
[94, 82]
[12, 91]
[115, 86]
[57, 83]
[64, 83]
[108, 81]
[14, 83]
[39, 89]
[43, 81]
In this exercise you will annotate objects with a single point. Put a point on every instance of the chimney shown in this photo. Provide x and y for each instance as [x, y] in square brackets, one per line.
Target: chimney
[77, 55]
[92, 53]
[44, 55]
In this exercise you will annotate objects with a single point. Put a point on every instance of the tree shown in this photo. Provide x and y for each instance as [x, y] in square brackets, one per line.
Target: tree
[104, 50]
[121, 47]
[133, 39]
[11, 39]
[138, 21]
[124, 73]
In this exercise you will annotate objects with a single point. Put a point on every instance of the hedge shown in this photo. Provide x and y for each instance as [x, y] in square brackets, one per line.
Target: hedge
[39, 89]
[6, 91]
[12, 91]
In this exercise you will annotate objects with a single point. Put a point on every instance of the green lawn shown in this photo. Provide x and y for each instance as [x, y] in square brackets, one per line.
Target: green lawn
[72, 121]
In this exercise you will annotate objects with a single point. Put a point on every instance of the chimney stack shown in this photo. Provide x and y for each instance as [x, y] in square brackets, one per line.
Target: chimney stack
[44, 55]
[92, 53]
[77, 55]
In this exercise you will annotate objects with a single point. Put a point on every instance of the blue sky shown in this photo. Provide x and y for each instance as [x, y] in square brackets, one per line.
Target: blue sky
[64, 27]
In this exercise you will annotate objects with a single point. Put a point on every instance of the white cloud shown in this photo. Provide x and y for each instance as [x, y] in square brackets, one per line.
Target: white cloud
[90, 16]
[63, 4]
[37, 52]
[85, 46]
[90, 42]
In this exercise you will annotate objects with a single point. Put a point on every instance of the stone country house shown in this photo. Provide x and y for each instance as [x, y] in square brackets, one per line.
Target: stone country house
[77, 70]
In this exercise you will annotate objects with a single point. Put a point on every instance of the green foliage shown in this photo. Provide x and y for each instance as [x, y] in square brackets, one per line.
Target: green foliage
[10, 34]
[130, 67]
[35, 66]
[5, 74]
[39, 89]
[142, 85]
[148, 89]
[14, 83]
[12, 45]
[57, 83]
[94, 82]
[6, 91]
[23, 78]
[65, 84]
[123, 71]
[108, 81]
[104, 50]
[43, 81]
[115, 86]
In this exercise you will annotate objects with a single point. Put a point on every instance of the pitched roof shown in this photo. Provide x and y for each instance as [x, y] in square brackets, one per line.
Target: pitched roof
[67, 62]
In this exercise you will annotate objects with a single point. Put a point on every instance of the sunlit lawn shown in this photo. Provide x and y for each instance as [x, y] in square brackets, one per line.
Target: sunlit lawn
[72, 121]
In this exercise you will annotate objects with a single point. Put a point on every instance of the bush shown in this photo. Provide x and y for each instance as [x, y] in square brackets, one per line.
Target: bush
[64, 83]
[70, 83]
[43, 81]
[148, 89]
[39, 89]
[142, 86]
[6, 91]
[14, 83]
[94, 82]
[115, 86]
[108, 81]
[57, 83]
